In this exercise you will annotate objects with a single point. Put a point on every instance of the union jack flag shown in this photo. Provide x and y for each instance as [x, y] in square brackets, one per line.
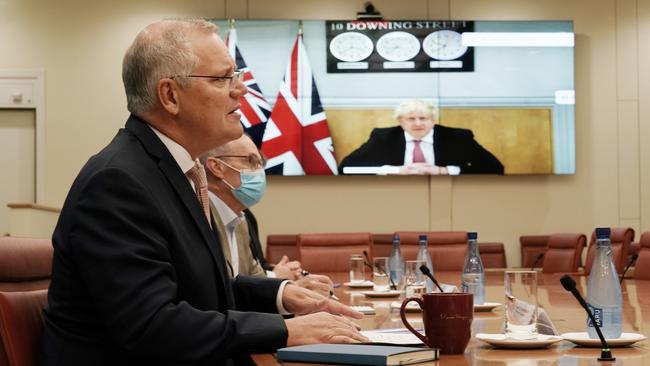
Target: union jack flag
[297, 138]
[255, 110]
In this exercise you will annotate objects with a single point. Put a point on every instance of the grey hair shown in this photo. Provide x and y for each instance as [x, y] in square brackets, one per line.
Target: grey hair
[415, 105]
[160, 50]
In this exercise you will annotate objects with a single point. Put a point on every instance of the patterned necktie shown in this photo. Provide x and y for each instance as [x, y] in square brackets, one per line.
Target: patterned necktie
[418, 155]
[197, 175]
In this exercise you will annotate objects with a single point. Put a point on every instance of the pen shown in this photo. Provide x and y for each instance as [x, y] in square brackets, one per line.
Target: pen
[332, 296]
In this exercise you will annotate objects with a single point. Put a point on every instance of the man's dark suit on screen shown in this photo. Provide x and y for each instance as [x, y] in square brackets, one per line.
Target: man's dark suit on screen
[452, 146]
[138, 276]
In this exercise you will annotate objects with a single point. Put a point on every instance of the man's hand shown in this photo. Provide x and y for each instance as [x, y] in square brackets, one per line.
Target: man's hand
[300, 301]
[318, 283]
[286, 269]
[322, 328]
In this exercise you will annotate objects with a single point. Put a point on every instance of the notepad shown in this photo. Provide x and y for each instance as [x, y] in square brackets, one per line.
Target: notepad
[357, 354]
[364, 309]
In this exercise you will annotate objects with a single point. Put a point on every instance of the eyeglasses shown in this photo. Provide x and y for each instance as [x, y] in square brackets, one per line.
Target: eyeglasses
[254, 161]
[238, 75]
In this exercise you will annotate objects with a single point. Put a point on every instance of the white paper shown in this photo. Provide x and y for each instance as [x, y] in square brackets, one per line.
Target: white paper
[401, 336]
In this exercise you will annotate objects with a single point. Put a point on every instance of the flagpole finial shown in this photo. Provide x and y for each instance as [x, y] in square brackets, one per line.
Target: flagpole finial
[300, 27]
[231, 23]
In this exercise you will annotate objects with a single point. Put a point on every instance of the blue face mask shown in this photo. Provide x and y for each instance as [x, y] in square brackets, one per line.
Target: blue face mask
[252, 187]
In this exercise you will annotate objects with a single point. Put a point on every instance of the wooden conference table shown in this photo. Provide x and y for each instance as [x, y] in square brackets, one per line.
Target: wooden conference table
[561, 306]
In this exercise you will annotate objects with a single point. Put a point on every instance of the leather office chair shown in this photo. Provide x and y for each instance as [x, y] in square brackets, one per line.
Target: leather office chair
[564, 253]
[493, 255]
[279, 245]
[447, 248]
[21, 326]
[382, 245]
[531, 247]
[25, 263]
[330, 252]
[621, 238]
[642, 267]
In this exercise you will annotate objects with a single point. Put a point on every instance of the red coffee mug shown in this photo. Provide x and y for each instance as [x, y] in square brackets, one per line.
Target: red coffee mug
[447, 319]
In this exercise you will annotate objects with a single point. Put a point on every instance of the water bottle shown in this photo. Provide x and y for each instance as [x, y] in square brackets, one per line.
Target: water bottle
[423, 254]
[604, 291]
[473, 277]
[396, 263]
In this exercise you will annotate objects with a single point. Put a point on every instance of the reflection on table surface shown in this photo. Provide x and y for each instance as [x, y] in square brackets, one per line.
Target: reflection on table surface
[561, 306]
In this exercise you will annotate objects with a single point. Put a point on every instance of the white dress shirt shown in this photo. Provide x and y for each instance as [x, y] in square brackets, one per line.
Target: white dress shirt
[185, 162]
[230, 220]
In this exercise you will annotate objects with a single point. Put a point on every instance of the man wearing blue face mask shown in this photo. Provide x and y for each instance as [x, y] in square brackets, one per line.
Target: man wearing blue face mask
[236, 181]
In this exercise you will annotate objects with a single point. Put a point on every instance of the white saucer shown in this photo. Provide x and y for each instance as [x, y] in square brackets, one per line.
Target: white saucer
[500, 340]
[391, 293]
[582, 339]
[364, 284]
[412, 307]
[486, 306]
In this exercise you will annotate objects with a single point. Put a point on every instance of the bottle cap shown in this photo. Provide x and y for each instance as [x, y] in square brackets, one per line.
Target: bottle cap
[603, 232]
[422, 237]
[472, 235]
[395, 237]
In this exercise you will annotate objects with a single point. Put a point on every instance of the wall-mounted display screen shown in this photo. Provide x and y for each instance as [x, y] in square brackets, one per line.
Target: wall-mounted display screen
[409, 96]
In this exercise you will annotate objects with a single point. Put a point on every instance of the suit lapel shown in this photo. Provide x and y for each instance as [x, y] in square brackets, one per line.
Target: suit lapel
[181, 185]
[221, 231]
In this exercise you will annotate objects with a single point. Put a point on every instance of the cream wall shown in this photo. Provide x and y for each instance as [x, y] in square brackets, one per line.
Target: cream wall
[80, 44]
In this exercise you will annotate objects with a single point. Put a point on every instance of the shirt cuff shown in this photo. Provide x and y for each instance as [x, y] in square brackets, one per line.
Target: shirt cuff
[453, 170]
[271, 274]
[278, 299]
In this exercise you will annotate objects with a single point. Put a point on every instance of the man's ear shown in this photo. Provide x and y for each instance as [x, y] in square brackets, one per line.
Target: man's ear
[167, 91]
[215, 167]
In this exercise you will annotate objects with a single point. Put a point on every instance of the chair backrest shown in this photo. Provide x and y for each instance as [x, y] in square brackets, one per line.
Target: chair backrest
[564, 253]
[21, 326]
[382, 244]
[531, 247]
[493, 255]
[330, 252]
[279, 245]
[621, 238]
[642, 266]
[447, 248]
[25, 263]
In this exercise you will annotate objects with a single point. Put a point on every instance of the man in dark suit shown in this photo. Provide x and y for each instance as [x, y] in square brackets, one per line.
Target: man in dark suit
[138, 276]
[421, 146]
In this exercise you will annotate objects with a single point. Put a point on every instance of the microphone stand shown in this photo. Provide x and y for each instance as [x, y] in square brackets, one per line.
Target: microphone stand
[569, 284]
[630, 262]
[425, 271]
[539, 258]
[381, 270]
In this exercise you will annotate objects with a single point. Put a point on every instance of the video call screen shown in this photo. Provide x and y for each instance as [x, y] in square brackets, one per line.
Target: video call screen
[409, 96]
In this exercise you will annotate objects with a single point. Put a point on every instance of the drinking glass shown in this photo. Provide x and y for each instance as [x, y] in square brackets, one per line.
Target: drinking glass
[521, 304]
[414, 279]
[357, 269]
[380, 273]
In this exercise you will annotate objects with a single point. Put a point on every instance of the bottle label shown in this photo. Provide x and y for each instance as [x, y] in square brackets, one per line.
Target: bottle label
[598, 315]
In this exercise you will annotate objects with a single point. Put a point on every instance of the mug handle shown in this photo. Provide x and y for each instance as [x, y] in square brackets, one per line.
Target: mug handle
[402, 313]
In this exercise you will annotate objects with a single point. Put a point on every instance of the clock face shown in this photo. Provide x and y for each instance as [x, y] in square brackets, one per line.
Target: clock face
[351, 46]
[398, 46]
[444, 45]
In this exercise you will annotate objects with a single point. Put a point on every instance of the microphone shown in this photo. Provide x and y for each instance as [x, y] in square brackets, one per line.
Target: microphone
[381, 270]
[630, 262]
[570, 285]
[425, 271]
[539, 258]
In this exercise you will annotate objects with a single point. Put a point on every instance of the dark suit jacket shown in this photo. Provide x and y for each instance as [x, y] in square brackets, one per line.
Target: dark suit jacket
[452, 146]
[138, 277]
[255, 244]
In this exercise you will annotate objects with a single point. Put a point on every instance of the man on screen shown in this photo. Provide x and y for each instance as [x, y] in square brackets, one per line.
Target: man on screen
[419, 145]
